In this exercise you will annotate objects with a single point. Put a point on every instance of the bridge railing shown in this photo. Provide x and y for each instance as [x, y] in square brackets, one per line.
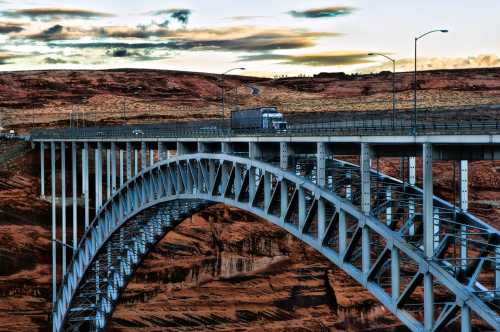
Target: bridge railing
[453, 120]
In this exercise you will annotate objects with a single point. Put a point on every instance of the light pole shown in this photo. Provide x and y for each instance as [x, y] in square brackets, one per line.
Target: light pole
[393, 84]
[415, 78]
[222, 88]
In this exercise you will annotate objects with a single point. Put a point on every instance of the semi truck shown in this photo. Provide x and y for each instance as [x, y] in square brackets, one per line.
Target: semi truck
[266, 117]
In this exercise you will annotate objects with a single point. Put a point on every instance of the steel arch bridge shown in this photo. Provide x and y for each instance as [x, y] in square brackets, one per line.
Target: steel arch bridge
[368, 224]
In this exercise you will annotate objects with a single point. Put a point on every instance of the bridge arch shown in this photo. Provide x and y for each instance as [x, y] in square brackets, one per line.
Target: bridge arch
[152, 203]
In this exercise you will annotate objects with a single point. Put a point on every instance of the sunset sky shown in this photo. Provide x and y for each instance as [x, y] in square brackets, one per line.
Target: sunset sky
[267, 37]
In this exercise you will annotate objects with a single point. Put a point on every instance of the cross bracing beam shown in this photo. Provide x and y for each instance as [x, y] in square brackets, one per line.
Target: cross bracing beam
[181, 181]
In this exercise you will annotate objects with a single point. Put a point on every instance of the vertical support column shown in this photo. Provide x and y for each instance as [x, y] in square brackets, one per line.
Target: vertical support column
[122, 178]
[321, 164]
[428, 301]
[365, 179]
[144, 163]
[85, 182]
[161, 151]
[388, 209]
[365, 206]
[412, 179]
[54, 225]
[465, 324]
[108, 174]
[284, 161]
[428, 211]
[428, 220]
[151, 157]
[74, 170]
[395, 274]
[226, 148]
[464, 205]
[267, 190]
[284, 155]
[42, 169]
[253, 153]
[136, 161]
[342, 233]
[63, 206]
[321, 218]
[113, 167]
[302, 207]
[98, 176]
[129, 160]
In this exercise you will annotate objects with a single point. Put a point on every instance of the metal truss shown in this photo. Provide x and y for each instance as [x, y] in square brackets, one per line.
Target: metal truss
[368, 224]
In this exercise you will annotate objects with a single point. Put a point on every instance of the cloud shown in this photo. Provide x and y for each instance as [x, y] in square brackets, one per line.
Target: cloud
[6, 57]
[9, 27]
[314, 60]
[323, 12]
[53, 61]
[245, 18]
[47, 14]
[407, 64]
[180, 14]
[221, 39]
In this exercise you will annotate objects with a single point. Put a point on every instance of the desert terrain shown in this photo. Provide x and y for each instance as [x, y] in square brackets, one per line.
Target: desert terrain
[221, 269]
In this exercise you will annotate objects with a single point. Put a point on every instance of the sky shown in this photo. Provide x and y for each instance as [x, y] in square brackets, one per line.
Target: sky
[268, 38]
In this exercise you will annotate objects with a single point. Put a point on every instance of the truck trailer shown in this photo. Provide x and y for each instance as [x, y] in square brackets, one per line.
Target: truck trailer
[266, 117]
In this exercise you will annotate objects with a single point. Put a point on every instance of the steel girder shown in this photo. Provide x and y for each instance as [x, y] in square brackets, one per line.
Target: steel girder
[377, 249]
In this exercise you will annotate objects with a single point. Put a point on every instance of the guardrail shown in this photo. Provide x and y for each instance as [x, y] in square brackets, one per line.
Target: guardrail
[484, 120]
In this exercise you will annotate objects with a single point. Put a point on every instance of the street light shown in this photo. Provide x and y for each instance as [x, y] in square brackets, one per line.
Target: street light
[393, 84]
[415, 78]
[222, 87]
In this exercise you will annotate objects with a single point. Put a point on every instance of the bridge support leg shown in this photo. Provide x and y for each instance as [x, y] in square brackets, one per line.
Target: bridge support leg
[144, 163]
[151, 157]
[428, 301]
[388, 209]
[428, 219]
[284, 164]
[365, 206]
[395, 274]
[63, 206]
[98, 176]
[42, 169]
[161, 151]
[122, 178]
[74, 171]
[342, 233]
[129, 160]
[113, 168]
[412, 179]
[321, 164]
[428, 211]
[108, 174]
[136, 161]
[226, 148]
[365, 179]
[85, 182]
[465, 324]
[54, 225]
[464, 205]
